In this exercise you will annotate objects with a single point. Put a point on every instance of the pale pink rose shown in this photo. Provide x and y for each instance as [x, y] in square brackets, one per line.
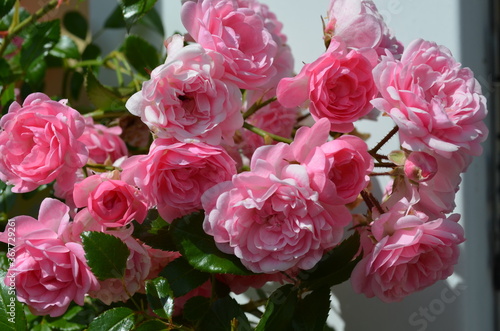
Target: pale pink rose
[437, 105]
[49, 271]
[111, 202]
[174, 175]
[412, 252]
[39, 143]
[104, 144]
[420, 166]
[187, 97]
[270, 217]
[360, 26]
[283, 61]
[436, 196]
[338, 169]
[273, 118]
[236, 32]
[338, 86]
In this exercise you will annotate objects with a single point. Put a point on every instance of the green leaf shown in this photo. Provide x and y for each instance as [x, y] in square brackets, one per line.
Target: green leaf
[75, 84]
[101, 96]
[115, 20]
[160, 297]
[152, 325]
[5, 72]
[153, 21]
[8, 96]
[76, 24]
[311, 312]
[280, 308]
[35, 73]
[133, 10]
[65, 49]
[222, 313]
[116, 319]
[91, 52]
[12, 315]
[335, 267]
[182, 277]
[199, 248]
[196, 308]
[44, 37]
[106, 254]
[141, 54]
[6, 6]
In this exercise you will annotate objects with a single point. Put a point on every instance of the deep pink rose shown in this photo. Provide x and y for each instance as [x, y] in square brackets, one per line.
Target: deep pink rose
[239, 34]
[360, 26]
[187, 97]
[412, 252]
[270, 217]
[112, 202]
[49, 271]
[39, 143]
[437, 105]
[103, 143]
[273, 118]
[174, 175]
[337, 86]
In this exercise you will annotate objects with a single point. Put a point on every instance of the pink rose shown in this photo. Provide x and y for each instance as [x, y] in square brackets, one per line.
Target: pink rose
[420, 167]
[239, 34]
[338, 86]
[49, 271]
[39, 143]
[112, 202]
[360, 26]
[270, 217]
[174, 175]
[187, 97]
[273, 118]
[437, 105]
[349, 169]
[104, 144]
[412, 252]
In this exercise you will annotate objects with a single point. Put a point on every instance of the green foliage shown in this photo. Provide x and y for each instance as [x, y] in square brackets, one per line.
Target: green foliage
[106, 254]
[200, 249]
[76, 24]
[160, 297]
[101, 96]
[182, 277]
[133, 10]
[140, 54]
[116, 319]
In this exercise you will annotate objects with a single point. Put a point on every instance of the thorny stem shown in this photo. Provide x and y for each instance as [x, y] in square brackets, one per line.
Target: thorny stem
[256, 106]
[375, 149]
[265, 134]
[385, 165]
[371, 201]
[19, 27]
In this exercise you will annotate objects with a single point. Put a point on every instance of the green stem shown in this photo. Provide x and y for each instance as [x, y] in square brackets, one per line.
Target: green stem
[265, 134]
[258, 105]
[19, 27]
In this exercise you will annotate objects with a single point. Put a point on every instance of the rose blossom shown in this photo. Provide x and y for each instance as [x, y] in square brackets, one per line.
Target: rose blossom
[412, 252]
[420, 166]
[112, 202]
[360, 26]
[338, 85]
[238, 34]
[174, 175]
[437, 105]
[270, 217]
[39, 143]
[49, 270]
[187, 97]
[103, 143]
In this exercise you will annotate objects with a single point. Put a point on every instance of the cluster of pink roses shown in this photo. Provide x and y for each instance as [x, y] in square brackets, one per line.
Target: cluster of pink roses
[291, 206]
